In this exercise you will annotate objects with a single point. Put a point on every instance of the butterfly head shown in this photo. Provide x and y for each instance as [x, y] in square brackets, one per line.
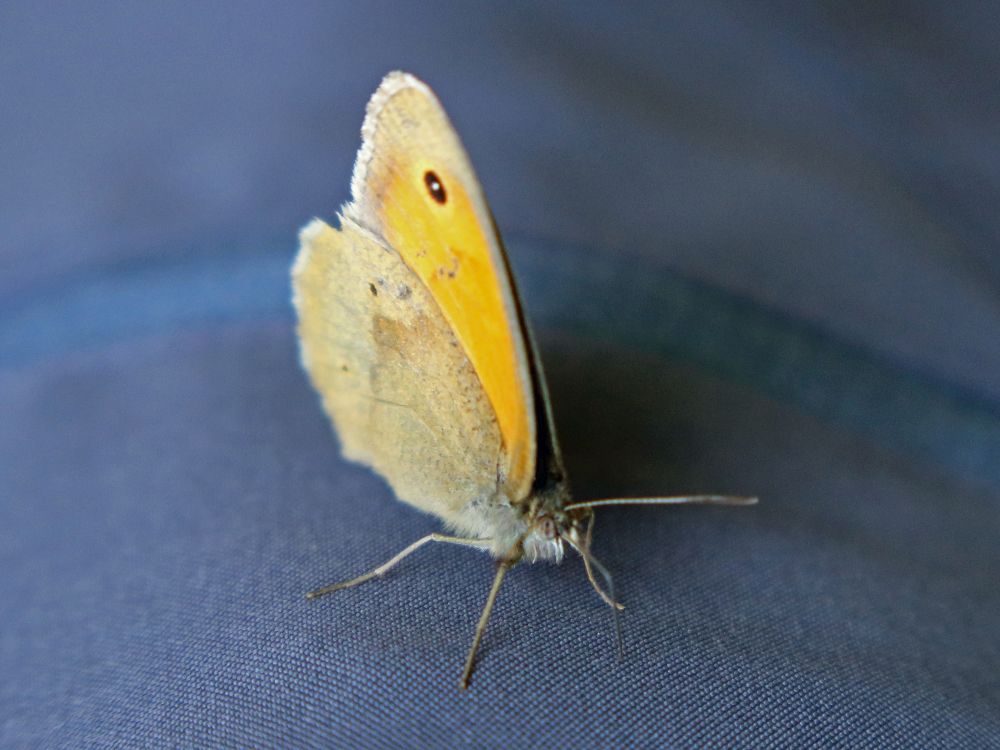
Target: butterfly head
[551, 528]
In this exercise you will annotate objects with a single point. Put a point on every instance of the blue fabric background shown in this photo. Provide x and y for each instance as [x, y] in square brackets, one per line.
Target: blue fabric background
[758, 243]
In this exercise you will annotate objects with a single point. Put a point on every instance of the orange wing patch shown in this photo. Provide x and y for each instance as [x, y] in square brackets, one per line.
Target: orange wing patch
[413, 185]
[446, 248]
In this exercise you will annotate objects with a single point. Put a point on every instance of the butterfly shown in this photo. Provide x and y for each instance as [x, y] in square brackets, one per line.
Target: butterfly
[411, 330]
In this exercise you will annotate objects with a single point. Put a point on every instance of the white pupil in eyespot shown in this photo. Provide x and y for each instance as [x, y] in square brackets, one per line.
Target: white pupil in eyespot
[435, 187]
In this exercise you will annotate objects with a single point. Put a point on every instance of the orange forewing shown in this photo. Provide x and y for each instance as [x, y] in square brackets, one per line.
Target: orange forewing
[446, 246]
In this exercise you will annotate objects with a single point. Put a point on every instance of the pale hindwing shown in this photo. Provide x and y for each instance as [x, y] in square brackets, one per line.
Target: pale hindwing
[393, 378]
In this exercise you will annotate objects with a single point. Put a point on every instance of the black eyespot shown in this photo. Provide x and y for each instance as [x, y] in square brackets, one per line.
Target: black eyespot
[373, 290]
[435, 187]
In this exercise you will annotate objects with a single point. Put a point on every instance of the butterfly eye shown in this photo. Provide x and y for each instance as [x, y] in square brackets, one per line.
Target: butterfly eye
[548, 528]
[435, 187]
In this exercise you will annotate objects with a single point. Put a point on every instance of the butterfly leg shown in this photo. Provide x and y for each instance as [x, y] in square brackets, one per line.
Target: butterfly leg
[391, 563]
[502, 569]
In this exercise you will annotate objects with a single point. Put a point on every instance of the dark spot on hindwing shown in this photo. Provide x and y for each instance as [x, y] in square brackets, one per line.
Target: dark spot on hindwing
[373, 290]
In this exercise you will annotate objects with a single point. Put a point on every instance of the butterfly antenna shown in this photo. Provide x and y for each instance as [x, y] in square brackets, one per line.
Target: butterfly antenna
[676, 500]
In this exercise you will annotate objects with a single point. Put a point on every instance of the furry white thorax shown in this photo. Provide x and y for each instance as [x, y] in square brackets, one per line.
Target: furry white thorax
[494, 519]
[510, 529]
